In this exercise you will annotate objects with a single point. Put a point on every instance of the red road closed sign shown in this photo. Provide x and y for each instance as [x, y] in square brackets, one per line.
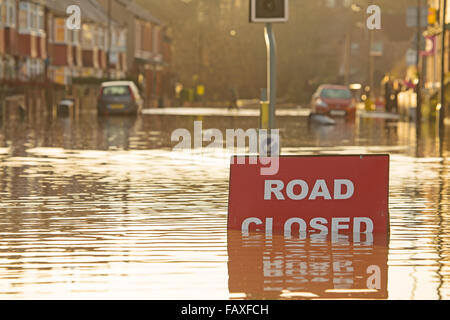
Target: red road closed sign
[326, 194]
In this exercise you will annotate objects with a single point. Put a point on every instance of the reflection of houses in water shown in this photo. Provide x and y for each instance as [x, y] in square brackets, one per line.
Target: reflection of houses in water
[342, 266]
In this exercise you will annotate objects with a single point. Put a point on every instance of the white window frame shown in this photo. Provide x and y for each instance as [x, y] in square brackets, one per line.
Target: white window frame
[55, 26]
[2, 7]
[37, 67]
[75, 37]
[88, 29]
[32, 17]
[40, 17]
[11, 13]
[25, 8]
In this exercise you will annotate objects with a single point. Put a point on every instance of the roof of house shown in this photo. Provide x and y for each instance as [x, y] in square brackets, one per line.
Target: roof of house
[90, 10]
[93, 11]
[58, 6]
[139, 11]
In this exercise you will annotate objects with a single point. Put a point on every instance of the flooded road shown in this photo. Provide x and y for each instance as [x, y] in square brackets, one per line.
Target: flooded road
[103, 208]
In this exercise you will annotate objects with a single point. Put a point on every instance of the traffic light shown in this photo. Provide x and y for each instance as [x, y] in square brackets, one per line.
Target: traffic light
[268, 11]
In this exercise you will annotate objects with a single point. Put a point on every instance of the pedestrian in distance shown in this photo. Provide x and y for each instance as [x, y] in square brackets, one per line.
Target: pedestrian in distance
[233, 98]
[388, 93]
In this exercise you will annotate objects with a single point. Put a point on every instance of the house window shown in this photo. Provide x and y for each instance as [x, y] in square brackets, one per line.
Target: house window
[24, 26]
[59, 76]
[29, 73]
[37, 68]
[32, 16]
[34, 68]
[40, 19]
[88, 36]
[2, 13]
[75, 37]
[60, 30]
[10, 12]
[72, 36]
[10, 68]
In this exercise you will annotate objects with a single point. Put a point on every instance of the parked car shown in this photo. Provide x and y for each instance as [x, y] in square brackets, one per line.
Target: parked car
[333, 100]
[119, 97]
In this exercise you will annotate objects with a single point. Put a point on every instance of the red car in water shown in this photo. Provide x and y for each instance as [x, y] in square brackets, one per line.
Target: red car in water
[333, 100]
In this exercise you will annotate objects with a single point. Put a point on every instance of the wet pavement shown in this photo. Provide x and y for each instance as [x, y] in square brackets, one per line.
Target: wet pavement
[103, 208]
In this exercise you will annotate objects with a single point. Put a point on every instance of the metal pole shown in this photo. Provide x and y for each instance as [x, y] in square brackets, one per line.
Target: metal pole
[419, 74]
[109, 40]
[442, 109]
[271, 74]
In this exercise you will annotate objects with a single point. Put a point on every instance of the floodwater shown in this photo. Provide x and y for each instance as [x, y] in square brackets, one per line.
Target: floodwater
[104, 208]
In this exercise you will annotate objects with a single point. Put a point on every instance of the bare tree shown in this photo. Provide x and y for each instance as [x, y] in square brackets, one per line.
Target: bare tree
[215, 45]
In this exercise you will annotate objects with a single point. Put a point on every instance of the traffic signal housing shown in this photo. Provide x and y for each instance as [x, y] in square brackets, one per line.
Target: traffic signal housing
[267, 11]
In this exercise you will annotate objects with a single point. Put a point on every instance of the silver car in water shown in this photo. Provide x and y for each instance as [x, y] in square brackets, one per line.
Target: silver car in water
[119, 97]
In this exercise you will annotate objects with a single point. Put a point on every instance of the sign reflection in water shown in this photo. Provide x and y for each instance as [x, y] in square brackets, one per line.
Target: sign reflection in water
[318, 266]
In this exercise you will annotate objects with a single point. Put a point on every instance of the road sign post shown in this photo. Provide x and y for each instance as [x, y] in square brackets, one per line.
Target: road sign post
[271, 74]
[268, 12]
[264, 110]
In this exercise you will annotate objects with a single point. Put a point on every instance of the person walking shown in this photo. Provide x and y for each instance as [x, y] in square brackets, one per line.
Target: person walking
[388, 93]
[397, 90]
[233, 98]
